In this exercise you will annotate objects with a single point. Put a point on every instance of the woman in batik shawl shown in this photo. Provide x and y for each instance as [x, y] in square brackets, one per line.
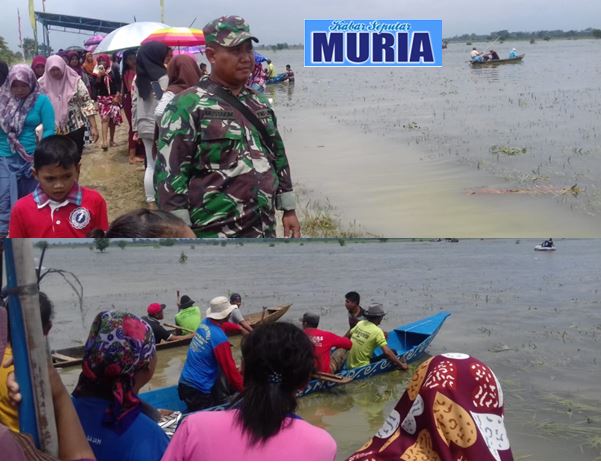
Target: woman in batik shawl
[22, 110]
[451, 410]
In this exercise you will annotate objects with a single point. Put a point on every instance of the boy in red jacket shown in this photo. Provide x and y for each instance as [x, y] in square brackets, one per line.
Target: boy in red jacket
[323, 342]
[59, 206]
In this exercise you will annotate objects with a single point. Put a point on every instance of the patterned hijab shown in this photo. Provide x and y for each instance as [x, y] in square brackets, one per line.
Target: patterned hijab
[183, 73]
[60, 91]
[451, 410]
[88, 66]
[13, 111]
[119, 345]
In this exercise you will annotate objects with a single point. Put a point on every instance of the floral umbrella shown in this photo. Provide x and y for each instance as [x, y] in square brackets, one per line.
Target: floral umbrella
[91, 42]
[128, 36]
[177, 37]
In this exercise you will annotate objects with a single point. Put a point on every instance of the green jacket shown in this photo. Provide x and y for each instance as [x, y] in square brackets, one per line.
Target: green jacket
[188, 318]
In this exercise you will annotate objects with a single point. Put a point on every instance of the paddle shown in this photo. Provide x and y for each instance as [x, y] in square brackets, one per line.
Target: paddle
[331, 377]
[169, 325]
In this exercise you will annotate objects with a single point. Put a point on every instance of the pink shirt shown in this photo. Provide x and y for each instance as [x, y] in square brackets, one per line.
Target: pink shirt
[217, 436]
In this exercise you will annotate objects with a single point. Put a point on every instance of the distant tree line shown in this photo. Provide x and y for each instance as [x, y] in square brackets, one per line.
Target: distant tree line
[520, 35]
[280, 46]
[7, 55]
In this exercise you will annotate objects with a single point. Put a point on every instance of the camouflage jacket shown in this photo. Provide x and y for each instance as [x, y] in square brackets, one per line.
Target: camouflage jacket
[213, 169]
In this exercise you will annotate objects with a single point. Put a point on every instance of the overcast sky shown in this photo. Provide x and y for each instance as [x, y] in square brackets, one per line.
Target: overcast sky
[275, 21]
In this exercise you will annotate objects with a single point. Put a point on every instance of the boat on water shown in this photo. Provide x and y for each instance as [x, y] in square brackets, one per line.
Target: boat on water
[410, 341]
[542, 248]
[503, 61]
[73, 355]
[277, 79]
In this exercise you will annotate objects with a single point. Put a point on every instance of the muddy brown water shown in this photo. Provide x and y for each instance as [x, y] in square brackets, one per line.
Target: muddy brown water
[410, 152]
[533, 317]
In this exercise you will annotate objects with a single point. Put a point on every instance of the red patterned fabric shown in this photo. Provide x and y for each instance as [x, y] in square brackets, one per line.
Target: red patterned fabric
[451, 410]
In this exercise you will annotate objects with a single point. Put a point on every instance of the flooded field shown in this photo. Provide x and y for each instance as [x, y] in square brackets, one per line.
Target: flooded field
[511, 151]
[533, 317]
[493, 152]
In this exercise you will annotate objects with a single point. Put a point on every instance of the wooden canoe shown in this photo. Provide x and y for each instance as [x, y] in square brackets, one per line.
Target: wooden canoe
[73, 355]
[503, 61]
[409, 341]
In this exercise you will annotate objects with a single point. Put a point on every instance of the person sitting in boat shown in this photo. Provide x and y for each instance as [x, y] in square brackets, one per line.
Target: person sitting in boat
[236, 316]
[475, 55]
[188, 318]
[155, 313]
[548, 243]
[367, 336]
[119, 359]
[290, 74]
[513, 54]
[270, 69]
[492, 55]
[323, 343]
[451, 410]
[355, 311]
[278, 361]
[210, 374]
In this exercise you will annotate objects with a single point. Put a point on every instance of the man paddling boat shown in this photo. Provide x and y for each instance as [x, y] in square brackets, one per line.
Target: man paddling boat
[155, 313]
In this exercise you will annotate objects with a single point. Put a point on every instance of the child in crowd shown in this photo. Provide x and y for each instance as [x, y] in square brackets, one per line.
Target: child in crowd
[59, 206]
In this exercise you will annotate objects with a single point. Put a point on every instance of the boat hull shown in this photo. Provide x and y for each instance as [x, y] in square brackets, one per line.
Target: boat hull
[72, 356]
[504, 61]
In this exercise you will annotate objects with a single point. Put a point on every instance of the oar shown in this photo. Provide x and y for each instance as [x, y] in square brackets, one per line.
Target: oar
[331, 377]
[169, 325]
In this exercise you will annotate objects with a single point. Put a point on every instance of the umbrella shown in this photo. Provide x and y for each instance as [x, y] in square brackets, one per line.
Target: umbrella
[91, 43]
[129, 36]
[188, 51]
[177, 37]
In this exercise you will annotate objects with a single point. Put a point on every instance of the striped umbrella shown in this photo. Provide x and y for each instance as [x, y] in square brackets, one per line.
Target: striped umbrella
[177, 37]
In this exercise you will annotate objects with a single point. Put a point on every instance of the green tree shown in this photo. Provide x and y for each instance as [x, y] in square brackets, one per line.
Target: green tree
[101, 243]
[28, 48]
[183, 258]
[167, 242]
[122, 244]
[596, 33]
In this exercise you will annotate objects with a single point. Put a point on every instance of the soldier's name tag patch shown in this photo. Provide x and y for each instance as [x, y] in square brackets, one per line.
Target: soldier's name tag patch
[263, 114]
[80, 218]
[218, 114]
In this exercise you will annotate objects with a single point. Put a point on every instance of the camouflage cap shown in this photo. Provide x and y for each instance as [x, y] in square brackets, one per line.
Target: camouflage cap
[228, 31]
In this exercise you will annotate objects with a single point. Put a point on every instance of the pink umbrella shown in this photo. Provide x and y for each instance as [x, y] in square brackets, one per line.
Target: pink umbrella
[91, 42]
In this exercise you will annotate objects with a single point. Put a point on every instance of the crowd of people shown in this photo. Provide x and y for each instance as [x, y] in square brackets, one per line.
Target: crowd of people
[452, 408]
[212, 152]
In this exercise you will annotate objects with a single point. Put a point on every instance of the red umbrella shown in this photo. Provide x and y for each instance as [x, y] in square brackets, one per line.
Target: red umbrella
[177, 37]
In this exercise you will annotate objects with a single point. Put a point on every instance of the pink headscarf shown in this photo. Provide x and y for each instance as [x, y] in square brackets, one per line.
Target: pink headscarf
[60, 91]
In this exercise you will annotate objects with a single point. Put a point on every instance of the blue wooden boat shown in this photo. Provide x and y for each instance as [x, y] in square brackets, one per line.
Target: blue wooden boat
[277, 79]
[410, 341]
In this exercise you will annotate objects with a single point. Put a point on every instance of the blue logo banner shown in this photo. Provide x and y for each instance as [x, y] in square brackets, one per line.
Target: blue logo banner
[371, 42]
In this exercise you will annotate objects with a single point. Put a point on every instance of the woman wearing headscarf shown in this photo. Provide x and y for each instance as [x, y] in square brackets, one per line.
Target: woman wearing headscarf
[70, 99]
[38, 64]
[22, 109]
[452, 410]
[129, 73]
[119, 358]
[183, 72]
[151, 82]
[88, 66]
[108, 95]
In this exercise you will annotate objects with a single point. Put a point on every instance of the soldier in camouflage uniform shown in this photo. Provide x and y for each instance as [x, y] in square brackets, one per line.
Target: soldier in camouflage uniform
[215, 169]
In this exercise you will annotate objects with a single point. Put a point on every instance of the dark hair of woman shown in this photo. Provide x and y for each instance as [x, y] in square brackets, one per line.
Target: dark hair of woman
[145, 223]
[278, 360]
